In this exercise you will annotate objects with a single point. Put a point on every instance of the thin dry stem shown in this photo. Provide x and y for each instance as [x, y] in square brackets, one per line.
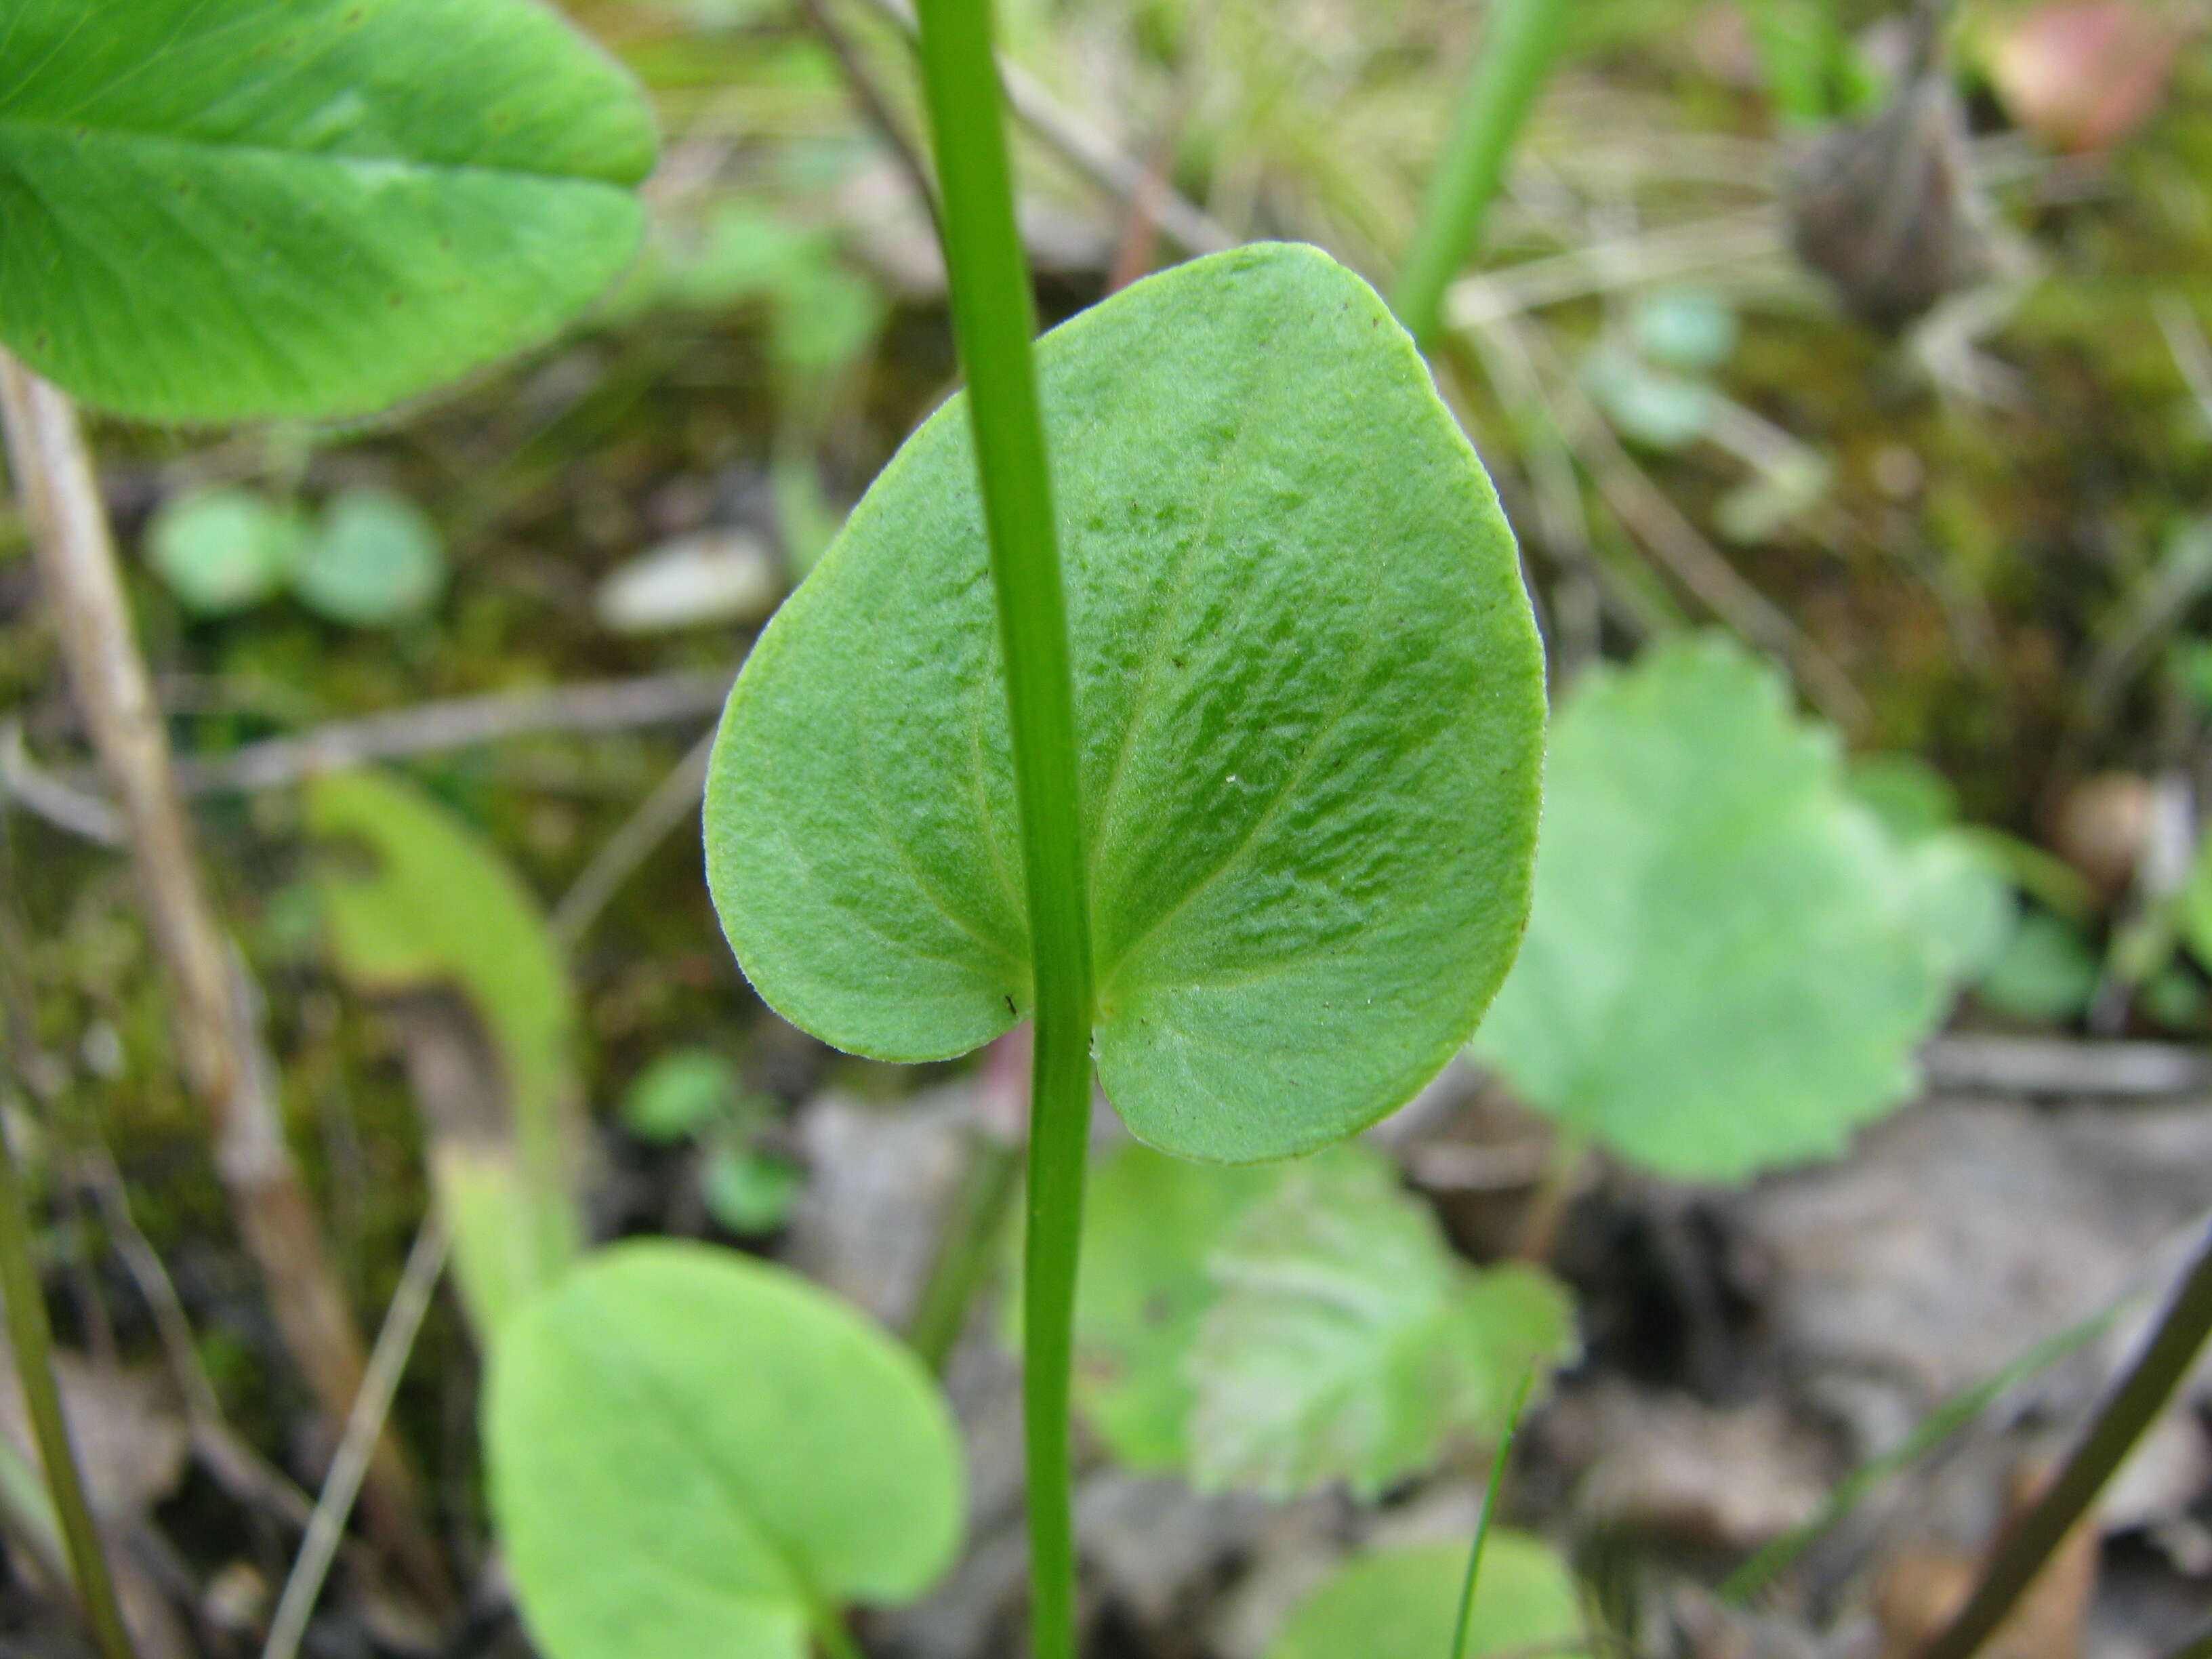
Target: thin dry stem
[403, 1322]
[218, 1041]
[1679, 545]
[1089, 152]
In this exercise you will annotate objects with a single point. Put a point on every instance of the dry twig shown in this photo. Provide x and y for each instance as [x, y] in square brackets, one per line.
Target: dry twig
[426, 728]
[218, 1039]
[672, 799]
[1677, 544]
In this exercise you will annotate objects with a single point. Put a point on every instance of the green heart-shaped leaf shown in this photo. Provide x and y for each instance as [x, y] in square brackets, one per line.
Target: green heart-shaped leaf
[1404, 1604]
[301, 207]
[1310, 698]
[694, 1452]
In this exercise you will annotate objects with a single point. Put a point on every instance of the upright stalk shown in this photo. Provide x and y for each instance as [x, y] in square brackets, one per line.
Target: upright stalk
[2124, 1418]
[993, 316]
[33, 1339]
[1491, 1494]
[1519, 38]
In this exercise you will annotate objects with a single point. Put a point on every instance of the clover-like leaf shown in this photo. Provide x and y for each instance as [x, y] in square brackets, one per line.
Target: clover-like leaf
[1403, 1604]
[302, 207]
[1308, 694]
[1348, 1343]
[1955, 895]
[2047, 971]
[695, 1452]
[1724, 969]
[1285, 1325]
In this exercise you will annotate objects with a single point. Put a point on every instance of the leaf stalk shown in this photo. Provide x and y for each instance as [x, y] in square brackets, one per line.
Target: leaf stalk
[1519, 39]
[993, 316]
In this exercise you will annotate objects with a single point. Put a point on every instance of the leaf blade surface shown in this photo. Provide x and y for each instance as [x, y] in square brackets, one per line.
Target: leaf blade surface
[302, 208]
[693, 1452]
[1309, 697]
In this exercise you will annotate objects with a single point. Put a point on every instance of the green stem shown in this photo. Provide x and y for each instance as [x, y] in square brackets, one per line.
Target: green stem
[994, 316]
[834, 1637]
[964, 1253]
[2199, 1646]
[1519, 39]
[33, 1342]
[2127, 1413]
[1489, 1494]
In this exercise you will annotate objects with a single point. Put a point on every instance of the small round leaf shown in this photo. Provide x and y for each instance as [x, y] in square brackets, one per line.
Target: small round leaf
[223, 551]
[1310, 703]
[693, 1452]
[372, 561]
[747, 1191]
[682, 1092]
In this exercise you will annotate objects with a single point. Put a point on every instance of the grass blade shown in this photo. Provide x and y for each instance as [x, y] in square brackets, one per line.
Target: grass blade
[1777, 1556]
[1490, 1495]
[1519, 39]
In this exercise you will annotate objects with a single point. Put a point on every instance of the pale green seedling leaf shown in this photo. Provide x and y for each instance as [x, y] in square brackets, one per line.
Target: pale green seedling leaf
[1765, 504]
[1690, 329]
[1308, 694]
[415, 900]
[695, 1452]
[1347, 1342]
[223, 551]
[1403, 1604]
[749, 1192]
[302, 208]
[1912, 798]
[373, 559]
[1650, 406]
[682, 1092]
[1723, 972]
[1958, 904]
[2046, 972]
